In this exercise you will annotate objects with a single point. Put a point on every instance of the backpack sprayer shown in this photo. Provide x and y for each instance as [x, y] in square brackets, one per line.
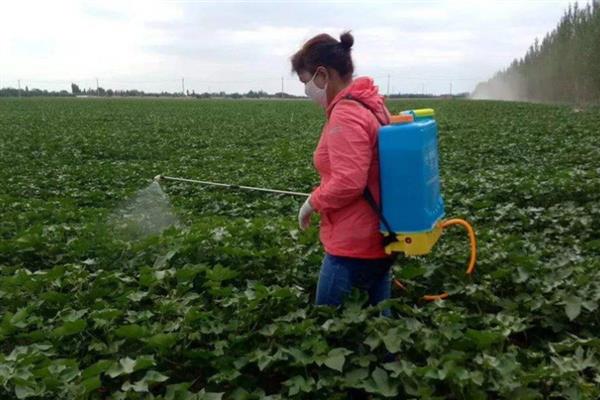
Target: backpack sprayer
[412, 209]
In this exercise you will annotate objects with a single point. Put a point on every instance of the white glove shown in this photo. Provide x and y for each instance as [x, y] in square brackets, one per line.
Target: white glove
[304, 214]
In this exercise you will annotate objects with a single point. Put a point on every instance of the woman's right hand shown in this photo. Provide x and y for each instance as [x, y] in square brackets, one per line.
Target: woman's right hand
[304, 214]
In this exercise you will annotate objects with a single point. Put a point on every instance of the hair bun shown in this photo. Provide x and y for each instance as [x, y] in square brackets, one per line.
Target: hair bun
[346, 40]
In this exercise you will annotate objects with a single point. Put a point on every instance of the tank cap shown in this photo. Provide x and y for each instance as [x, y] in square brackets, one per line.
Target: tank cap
[420, 113]
[401, 119]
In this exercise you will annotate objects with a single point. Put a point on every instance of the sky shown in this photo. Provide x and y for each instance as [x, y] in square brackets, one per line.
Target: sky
[234, 46]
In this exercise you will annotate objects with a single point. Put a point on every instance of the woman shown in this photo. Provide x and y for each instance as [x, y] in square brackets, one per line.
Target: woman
[347, 161]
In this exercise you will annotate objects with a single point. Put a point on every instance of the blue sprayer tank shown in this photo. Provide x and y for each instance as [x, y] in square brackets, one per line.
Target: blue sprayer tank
[411, 199]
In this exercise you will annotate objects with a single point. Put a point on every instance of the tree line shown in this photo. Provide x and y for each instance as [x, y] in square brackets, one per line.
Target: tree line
[76, 91]
[563, 67]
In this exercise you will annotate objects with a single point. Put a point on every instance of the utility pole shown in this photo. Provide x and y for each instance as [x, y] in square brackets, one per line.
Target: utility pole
[97, 88]
[450, 88]
[422, 89]
[182, 86]
[19, 86]
[388, 85]
[282, 87]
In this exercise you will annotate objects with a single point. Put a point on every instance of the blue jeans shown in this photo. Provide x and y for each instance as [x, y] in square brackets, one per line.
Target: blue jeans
[340, 274]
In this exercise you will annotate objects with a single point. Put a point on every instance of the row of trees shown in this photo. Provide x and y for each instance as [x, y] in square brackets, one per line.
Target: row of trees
[563, 67]
[14, 92]
[252, 94]
[102, 92]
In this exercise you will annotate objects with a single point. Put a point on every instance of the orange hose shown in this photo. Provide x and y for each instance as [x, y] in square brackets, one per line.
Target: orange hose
[472, 239]
[434, 297]
[399, 284]
[472, 259]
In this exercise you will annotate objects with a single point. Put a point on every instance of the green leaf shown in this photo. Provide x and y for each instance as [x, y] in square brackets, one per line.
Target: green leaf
[69, 328]
[179, 391]
[484, 339]
[299, 356]
[188, 273]
[143, 362]
[590, 305]
[96, 369]
[393, 339]
[525, 393]
[24, 390]
[396, 368]
[336, 358]
[219, 273]
[137, 296]
[162, 341]
[91, 384]
[477, 377]
[355, 378]
[364, 360]
[373, 340]
[161, 261]
[380, 384]
[18, 320]
[410, 271]
[204, 395]
[299, 384]
[154, 377]
[572, 307]
[128, 365]
[139, 386]
[147, 277]
[132, 331]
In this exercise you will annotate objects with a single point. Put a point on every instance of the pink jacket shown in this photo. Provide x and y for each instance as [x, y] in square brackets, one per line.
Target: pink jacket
[347, 161]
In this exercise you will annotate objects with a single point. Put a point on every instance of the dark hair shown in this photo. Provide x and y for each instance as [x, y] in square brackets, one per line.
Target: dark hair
[324, 50]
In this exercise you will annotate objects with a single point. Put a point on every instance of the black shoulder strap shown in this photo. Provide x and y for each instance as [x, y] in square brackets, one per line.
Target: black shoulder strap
[391, 238]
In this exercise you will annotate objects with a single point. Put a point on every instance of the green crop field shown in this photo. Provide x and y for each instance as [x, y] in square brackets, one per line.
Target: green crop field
[220, 305]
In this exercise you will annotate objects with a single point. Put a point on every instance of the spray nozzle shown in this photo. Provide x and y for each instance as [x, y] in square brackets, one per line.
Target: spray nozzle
[157, 178]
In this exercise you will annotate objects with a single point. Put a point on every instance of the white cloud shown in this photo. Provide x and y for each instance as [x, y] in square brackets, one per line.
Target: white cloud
[241, 46]
[47, 41]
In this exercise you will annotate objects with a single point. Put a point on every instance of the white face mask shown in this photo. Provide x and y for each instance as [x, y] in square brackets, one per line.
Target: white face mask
[316, 93]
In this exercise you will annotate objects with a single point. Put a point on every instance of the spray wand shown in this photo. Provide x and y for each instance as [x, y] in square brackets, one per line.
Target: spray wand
[158, 178]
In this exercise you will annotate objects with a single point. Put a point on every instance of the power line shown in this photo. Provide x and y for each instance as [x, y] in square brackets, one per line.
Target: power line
[428, 78]
[387, 77]
[388, 85]
[142, 82]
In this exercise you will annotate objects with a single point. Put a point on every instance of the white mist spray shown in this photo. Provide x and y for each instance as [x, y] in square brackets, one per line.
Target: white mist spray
[149, 212]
